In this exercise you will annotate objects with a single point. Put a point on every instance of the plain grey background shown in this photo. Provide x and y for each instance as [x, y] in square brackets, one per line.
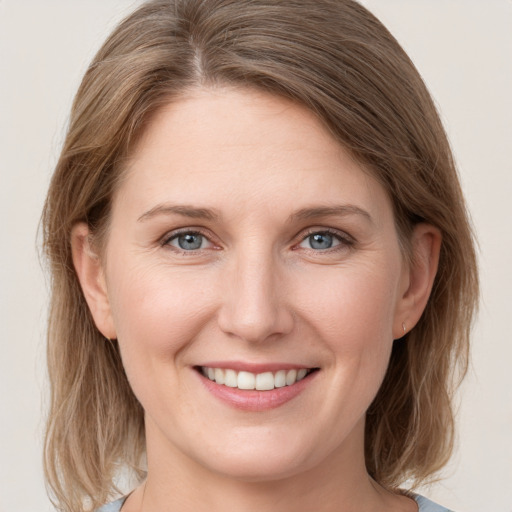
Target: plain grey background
[463, 48]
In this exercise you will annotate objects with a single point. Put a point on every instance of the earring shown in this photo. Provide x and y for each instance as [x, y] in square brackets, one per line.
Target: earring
[404, 328]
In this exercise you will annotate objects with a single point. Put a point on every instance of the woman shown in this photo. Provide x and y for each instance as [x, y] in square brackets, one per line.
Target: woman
[263, 271]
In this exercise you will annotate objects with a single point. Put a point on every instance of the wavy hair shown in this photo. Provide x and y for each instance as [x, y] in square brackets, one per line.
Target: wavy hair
[336, 59]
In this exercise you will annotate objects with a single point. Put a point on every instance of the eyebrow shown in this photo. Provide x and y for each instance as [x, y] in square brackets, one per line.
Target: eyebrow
[329, 211]
[184, 210]
[211, 214]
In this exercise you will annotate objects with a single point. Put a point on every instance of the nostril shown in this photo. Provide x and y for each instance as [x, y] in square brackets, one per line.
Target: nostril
[254, 324]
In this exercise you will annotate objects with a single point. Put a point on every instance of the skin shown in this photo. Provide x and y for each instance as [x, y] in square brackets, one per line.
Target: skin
[256, 291]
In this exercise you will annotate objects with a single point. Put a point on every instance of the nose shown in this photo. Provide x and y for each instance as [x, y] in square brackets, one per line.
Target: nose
[254, 304]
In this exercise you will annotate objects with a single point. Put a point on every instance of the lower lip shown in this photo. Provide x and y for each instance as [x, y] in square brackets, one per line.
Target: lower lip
[253, 400]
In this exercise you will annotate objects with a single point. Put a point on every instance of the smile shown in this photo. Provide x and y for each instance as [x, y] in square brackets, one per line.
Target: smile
[265, 381]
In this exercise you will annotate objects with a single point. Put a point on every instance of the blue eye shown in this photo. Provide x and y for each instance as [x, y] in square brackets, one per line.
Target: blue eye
[320, 241]
[189, 241]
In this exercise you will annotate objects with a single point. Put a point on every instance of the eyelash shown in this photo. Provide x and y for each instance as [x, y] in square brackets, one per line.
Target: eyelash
[186, 231]
[345, 241]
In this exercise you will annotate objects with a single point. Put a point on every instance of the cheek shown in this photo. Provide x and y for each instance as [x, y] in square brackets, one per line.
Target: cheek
[347, 314]
[353, 319]
[156, 311]
[353, 308]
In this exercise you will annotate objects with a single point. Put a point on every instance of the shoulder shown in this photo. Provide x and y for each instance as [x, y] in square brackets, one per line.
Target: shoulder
[425, 505]
[115, 506]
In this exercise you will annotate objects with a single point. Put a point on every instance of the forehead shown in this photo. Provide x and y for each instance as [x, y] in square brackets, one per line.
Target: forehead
[245, 149]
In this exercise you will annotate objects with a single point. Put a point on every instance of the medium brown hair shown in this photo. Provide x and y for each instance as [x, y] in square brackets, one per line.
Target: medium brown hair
[339, 61]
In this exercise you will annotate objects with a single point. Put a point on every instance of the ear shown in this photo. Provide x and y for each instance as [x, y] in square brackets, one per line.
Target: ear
[417, 278]
[92, 279]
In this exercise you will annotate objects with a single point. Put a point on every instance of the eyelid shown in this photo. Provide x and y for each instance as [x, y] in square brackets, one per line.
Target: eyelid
[343, 237]
[173, 234]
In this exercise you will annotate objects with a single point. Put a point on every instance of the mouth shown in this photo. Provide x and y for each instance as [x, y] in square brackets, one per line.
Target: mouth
[265, 388]
[264, 381]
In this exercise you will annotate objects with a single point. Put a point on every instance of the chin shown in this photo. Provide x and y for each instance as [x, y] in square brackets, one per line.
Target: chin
[259, 468]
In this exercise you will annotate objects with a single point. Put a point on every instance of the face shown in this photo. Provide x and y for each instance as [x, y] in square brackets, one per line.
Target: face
[254, 282]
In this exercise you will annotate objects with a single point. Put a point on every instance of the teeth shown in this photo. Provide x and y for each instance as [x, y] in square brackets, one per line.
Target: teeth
[265, 381]
[301, 373]
[246, 380]
[280, 379]
[291, 377]
[230, 378]
[261, 381]
[219, 376]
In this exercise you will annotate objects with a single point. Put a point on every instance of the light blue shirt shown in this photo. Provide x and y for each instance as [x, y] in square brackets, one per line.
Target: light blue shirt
[424, 505]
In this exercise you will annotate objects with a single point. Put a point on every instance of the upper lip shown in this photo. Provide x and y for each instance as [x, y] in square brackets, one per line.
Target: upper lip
[242, 366]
